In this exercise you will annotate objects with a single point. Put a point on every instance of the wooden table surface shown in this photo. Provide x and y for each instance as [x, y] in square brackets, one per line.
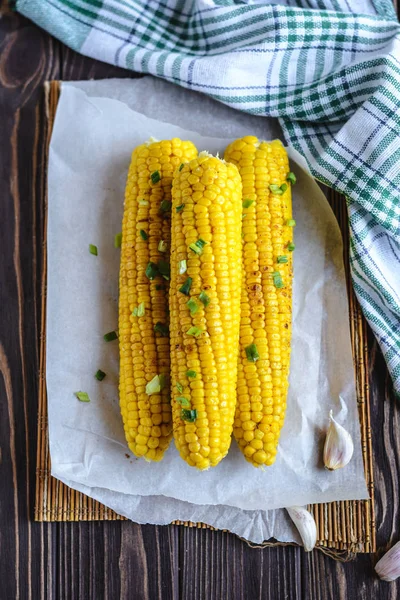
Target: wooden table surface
[121, 559]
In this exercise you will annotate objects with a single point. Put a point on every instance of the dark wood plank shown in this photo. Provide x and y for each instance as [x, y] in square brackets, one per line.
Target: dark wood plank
[118, 559]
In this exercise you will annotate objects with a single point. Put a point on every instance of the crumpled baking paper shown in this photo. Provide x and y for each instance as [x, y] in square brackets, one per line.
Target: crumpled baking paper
[97, 125]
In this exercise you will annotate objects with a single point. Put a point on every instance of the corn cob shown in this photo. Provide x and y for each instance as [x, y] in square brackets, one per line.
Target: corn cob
[266, 304]
[143, 296]
[204, 307]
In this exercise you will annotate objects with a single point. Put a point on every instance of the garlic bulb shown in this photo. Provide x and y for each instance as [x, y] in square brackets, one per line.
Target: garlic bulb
[388, 567]
[305, 524]
[339, 447]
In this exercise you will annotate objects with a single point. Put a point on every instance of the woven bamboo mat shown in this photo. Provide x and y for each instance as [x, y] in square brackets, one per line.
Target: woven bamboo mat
[343, 527]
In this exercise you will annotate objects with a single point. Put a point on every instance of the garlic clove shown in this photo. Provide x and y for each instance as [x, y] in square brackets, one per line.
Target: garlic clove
[388, 567]
[305, 524]
[339, 447]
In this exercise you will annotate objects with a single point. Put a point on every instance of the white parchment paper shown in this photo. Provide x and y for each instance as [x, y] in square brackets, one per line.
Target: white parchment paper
[97, 125]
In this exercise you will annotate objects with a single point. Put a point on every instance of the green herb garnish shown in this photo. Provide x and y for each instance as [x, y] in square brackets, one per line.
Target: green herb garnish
[204, 299]
[198, 246]
[282, 259]
[134, 312]
[191, 374]
[247, 203]
[181, 167]
[182, 267]
[140, 310]
[275, 189]
[154, 386]
[195, 331]
[252, 353]
[185, 288]
[118, 240]
[179, 387]
[93, 249]
[151, 270]
[291, 223]
[161, 328]
[82, 396]
[100, 375]
[278, 283]
[284, 187]
[143, 235]
[164, 269]
[182, 401]
[291, 177]
[162, 246]
[180, 208]
[165, 206]
[188, 415]
[111, 336]
[192, 306]
[291, 246]
[155, 177]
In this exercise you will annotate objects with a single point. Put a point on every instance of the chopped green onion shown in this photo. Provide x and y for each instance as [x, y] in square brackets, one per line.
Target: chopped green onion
[140, 310]
[155, 177]
[291, 223]
[188, 415]
[154, 386]
[100, 375]
[282, 259]
[179, 387]
[192, 374]
[195, 331]
[291, 246]
[165, 206]
[182, 267]
[284, 187]
[159, 287]
[82, 396]
[163, 380]
[143, 202]
[185, 288]
[192, 306]
[252, 353]
[291, 177]
[118, 240]
[180, 208]
[151, 270]
[163, 269]
[162, 246]
[278, 283]
[182, 401]
[135, 311]
[93, 249]
[161, 329]
[143, 235]
[275, 189]
[247, 203]
[111, 336]
[198, 246]
[181, 167]
[204, 299]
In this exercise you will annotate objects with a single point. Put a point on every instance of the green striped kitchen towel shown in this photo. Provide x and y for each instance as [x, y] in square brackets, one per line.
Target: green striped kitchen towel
[329, 69]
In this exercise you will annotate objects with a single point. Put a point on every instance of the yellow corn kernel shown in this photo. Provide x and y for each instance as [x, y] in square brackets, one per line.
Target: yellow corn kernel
[266, 302]
[144, 353]
[206, 234]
